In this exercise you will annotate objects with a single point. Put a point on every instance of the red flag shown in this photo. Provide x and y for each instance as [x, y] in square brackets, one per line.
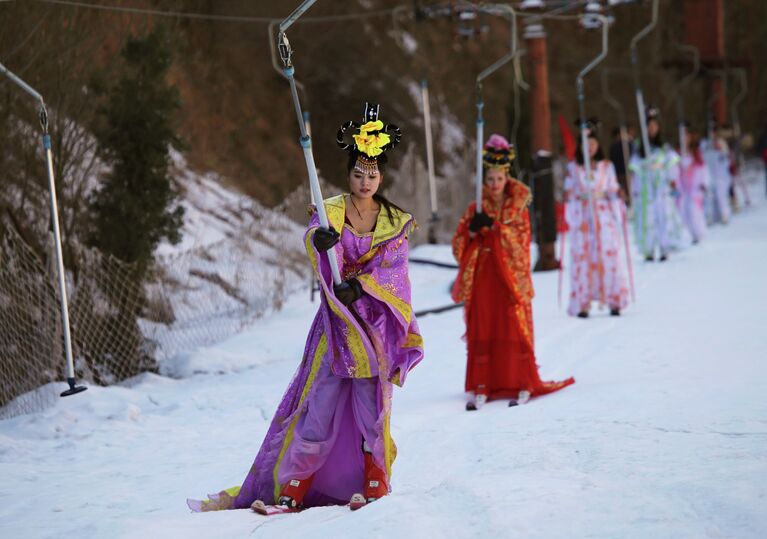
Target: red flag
[568, 139]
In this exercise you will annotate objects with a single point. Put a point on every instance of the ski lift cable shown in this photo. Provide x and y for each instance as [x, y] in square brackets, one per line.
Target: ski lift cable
[254, 19]
[43, 116]
[219, 18]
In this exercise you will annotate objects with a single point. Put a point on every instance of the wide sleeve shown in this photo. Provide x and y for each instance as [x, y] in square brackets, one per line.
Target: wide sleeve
[611, 185]
[672, 166]
[461, 238]
[386, 280]
[320, 260]
[571, 180]
[508, 246]
[465, 251]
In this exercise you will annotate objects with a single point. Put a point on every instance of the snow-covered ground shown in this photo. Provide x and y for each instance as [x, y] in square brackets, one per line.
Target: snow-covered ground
[237, 261]
[664, 435]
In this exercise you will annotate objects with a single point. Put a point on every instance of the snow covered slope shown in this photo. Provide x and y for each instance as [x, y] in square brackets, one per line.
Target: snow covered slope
[664, 435]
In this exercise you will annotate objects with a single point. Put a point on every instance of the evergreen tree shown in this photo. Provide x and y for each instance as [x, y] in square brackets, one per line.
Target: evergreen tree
[136, 206]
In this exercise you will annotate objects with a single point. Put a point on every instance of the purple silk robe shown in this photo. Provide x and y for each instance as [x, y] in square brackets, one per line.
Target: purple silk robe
[377, 338]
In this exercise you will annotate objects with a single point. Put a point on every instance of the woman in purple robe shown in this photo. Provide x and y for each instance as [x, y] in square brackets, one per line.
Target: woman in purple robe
[330, 437]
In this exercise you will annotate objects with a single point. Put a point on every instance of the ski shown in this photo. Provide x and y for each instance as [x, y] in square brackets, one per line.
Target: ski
[270, 510]
[357, 501]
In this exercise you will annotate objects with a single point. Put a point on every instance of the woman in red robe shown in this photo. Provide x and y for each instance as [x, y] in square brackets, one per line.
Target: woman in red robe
[493, 252]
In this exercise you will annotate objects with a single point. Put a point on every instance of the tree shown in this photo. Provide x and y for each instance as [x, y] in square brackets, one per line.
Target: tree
[136, 206]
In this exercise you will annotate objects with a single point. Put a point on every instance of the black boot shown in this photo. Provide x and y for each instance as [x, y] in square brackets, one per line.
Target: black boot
[583, 314]
[615, 311]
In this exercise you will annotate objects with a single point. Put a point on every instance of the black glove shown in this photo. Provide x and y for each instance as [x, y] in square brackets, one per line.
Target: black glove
[324, 238]
[480, 220]
[348, 291]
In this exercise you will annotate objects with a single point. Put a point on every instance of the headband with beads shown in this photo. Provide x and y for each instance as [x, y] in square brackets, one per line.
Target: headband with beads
[372, 140]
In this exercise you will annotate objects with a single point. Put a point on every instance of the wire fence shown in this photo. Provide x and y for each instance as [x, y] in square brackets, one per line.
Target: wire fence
[123, 326]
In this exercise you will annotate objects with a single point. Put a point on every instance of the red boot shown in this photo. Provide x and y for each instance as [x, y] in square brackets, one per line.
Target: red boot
[375, 480]
[293, 492]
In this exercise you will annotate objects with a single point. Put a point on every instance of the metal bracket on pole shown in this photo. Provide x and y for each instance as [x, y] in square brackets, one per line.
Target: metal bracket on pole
[286, 55]
[43, 116]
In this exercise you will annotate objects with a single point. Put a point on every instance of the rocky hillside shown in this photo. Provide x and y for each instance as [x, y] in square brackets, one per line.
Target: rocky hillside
[237, 117]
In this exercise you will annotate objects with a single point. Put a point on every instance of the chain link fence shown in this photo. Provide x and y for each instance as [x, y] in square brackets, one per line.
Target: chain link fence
[122, 327]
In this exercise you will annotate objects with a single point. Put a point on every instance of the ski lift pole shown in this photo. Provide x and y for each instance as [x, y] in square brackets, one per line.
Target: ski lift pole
[582, 109]
[680, 99]
[478, 170]
[429, 161]
[716, 94]
[519, 84]
[622, 126]
[743, 79]
[637, 86]
[513, 52]
[286, 54]
[43, 115]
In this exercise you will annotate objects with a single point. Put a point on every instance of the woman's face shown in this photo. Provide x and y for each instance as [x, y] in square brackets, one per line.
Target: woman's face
[364, 185]
[652, 128]
[495, 181]
[593, 147]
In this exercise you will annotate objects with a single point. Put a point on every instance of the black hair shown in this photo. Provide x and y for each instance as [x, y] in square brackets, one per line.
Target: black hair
[382, 200]
[656, 141]
[599, 156]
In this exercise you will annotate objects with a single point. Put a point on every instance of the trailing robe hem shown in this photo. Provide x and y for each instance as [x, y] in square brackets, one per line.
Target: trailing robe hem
[495, 285]
[380, 340]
